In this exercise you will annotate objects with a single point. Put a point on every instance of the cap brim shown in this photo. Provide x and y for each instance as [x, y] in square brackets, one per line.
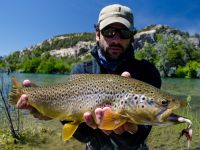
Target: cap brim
[111, 20]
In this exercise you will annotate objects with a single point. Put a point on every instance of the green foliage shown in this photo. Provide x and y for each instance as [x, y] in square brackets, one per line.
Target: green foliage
[2, 64]
[46, 46]
[13, 60]
[59, 66]
[148, 52]
[6, 140]
[49, 64]
[36, 134]
[195, 55]
[188, 71]
[31, 65]
[87, 57]
[172, 52]
[32, 133]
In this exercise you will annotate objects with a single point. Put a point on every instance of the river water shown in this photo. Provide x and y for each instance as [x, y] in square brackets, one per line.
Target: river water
[176, 86]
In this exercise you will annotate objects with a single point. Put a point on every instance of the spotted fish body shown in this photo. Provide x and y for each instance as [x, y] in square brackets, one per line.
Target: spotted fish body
[130, 100]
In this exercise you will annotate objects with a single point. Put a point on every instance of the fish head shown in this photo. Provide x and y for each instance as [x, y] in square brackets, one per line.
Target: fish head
[168, 104]
[152, 110]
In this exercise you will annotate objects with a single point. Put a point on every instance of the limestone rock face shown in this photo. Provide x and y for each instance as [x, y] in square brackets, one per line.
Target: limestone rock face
[148, 35]
[81, 48]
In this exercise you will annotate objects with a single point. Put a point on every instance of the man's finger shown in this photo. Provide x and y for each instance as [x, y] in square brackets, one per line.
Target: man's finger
[87, 116]
[106, 108]
[23, 102]
[26, 83]
[99, 115]
[126, 74]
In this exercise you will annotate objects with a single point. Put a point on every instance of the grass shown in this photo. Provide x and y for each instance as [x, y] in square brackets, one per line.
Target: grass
[168, 137]
[40, 135]
[37, 135]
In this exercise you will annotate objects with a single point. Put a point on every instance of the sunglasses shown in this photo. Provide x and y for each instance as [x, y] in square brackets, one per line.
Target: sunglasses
[111, 32]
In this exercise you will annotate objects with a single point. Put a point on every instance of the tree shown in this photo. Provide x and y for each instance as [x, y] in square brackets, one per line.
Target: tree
[31, 65]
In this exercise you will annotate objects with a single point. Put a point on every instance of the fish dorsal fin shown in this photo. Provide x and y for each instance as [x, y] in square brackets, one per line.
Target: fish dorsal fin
[111, 120]
[15, 91]
[69, 129]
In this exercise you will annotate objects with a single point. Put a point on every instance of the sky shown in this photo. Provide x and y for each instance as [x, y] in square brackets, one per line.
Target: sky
[24, 23]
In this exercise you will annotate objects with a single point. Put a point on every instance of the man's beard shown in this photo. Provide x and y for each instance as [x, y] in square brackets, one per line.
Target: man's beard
[111, 46]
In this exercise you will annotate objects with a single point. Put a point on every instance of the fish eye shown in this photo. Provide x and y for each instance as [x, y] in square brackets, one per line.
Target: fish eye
[164, 102]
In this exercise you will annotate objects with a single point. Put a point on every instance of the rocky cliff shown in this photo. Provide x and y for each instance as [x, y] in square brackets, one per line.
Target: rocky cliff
[81, 47]
[149, 34]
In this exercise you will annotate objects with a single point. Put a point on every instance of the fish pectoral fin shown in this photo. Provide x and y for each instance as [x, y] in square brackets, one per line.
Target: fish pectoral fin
[69, 129]
[111, 120]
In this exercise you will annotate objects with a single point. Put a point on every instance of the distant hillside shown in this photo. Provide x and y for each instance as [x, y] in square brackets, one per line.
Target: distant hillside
[55, 55]
[149, 34]
[174, 52]
[65, 45]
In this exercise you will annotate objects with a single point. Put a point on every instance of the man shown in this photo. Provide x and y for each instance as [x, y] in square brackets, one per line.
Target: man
[113, 54]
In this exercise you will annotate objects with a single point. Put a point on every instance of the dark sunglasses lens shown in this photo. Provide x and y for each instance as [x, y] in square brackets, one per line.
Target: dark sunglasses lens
[110, 33]
[125, 34]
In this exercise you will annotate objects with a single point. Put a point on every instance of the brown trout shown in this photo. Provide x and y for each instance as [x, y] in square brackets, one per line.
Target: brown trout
[130, 100]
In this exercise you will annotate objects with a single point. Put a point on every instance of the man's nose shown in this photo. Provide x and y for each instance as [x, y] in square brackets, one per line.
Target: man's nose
[116, 37]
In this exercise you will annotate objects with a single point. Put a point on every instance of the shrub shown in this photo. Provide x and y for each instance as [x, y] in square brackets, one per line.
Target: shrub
[188, 71]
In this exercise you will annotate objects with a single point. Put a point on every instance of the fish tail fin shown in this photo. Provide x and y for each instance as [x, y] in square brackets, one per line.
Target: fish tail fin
[15, 91]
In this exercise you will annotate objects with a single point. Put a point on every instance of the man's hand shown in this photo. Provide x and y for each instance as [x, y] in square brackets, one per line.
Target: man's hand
[23, 103]
[99, 112]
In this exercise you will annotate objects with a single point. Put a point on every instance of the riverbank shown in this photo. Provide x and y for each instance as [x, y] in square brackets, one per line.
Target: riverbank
[40, 135]
[36, 135]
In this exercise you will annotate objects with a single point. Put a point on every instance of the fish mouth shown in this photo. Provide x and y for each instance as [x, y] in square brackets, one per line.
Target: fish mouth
[173, 117]
[168, 111]
[163, 115]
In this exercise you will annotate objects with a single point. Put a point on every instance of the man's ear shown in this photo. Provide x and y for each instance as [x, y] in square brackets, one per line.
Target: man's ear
[97, 35]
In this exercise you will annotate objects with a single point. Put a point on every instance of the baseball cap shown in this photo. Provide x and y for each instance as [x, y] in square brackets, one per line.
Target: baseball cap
[115, 13]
